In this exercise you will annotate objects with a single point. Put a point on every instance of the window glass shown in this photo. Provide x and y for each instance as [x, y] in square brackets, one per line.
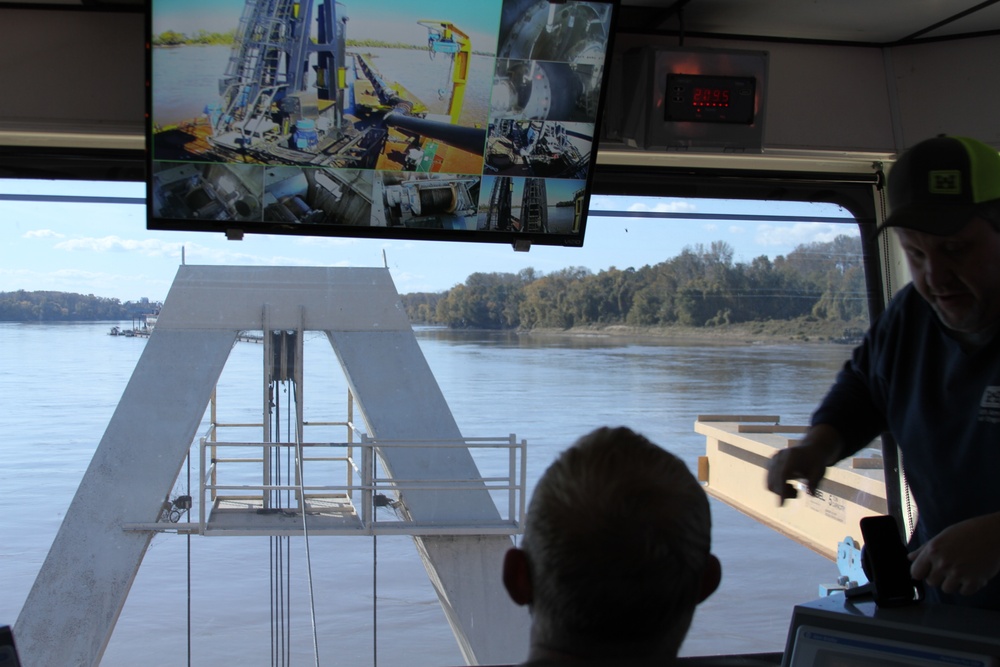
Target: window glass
[738, 308]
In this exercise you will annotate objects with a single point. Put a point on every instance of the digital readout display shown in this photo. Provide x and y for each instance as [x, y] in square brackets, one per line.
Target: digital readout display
[710, 98]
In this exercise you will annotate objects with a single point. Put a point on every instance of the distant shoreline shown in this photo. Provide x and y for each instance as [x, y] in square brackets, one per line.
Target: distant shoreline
[783, 332]
[774, 332]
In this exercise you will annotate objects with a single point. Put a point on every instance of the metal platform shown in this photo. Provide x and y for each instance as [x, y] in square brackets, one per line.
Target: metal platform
[324, 515]
[368, 503]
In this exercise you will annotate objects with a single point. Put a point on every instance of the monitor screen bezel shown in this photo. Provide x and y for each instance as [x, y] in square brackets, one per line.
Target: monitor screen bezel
[518, 239]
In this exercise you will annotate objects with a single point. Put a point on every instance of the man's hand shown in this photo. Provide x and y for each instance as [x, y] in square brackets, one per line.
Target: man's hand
[961, 558]
[808, 460]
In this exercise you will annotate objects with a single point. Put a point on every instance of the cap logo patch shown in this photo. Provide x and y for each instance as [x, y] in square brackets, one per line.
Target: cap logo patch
[945, 182]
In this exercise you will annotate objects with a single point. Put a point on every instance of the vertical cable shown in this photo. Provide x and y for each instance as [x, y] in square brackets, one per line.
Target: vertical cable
[281, 602]
[276, 612]
[372, 476]
[288, 503]
[288, 599]
[190, 507]
[369, 469]
[298, 438]
[300, 473]
[282, 589]
[270, 557]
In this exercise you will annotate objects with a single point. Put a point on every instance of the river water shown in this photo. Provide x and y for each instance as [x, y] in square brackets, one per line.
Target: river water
[61, 383]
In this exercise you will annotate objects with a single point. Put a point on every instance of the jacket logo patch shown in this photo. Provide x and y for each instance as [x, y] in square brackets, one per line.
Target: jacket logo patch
[989, 407]
[991, 398]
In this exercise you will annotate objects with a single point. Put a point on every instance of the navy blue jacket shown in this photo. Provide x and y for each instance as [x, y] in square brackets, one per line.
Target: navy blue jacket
[940, 403]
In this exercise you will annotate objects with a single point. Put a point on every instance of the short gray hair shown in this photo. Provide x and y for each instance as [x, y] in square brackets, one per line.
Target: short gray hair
[617, 535]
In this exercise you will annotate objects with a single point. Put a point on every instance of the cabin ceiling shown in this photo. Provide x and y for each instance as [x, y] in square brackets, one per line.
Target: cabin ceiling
[99, 106]
[884, 22]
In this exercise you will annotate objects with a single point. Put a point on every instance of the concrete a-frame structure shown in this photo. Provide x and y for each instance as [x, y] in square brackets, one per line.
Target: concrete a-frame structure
[74, 603]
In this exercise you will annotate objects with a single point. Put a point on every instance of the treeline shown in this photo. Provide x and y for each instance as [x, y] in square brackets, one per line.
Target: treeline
[202, 37]
[22, 306]
[701, 286]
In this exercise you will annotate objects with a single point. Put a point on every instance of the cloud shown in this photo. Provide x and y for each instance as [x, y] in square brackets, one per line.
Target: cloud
[114, 244]
[797, 233]
[408, 282]
[43, 234]
[200, 254]
[325, 241]
[194, 253]
[15, 279]
[618, 203]
[100, 283]
[664, 206]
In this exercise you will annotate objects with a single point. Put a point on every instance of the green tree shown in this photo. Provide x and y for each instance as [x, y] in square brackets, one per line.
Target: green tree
[169, 38]
[23, 306]
[701, 286]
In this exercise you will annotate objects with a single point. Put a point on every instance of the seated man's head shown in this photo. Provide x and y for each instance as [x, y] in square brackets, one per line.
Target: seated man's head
[615, 554]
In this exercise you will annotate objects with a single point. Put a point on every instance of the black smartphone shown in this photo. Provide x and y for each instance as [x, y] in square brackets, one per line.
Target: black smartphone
[885, 562]
[8, 652]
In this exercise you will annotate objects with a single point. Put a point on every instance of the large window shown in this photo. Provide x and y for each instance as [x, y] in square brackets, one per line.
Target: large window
[713, 307]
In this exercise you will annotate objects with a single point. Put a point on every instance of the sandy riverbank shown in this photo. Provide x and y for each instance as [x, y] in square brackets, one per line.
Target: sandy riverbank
[775, 332]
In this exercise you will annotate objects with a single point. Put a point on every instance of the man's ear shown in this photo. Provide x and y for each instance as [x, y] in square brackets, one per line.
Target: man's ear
[710, 577]
[517, 576]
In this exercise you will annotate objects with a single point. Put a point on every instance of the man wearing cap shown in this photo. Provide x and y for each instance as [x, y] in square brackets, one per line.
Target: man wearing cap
[928, 371]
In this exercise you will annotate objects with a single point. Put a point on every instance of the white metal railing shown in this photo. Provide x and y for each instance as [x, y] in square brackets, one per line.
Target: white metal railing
[367, 485]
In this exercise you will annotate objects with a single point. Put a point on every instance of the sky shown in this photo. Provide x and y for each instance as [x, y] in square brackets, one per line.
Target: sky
[105, 250]
[190, 16]
[389, 20]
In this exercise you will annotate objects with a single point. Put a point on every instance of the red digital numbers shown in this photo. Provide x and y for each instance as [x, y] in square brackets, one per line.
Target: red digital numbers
[710, 97]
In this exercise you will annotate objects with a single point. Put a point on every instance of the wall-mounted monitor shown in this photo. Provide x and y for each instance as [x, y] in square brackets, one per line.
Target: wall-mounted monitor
[460, 120]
